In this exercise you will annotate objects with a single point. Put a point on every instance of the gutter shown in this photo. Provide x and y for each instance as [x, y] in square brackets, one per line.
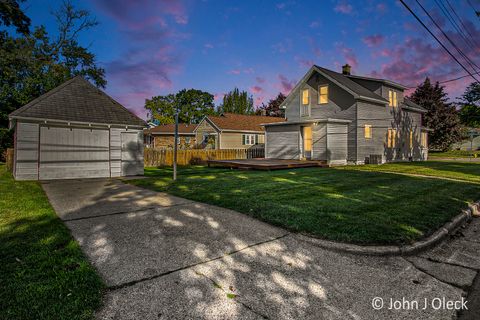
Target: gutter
[89, 124]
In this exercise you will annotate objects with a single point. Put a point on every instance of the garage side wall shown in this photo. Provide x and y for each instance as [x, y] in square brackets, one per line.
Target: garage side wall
[26, 151]
[282, 142]
[337, 143]
[116, 152]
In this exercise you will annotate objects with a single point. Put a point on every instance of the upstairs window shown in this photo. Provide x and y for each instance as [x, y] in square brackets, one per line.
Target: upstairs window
[392, 98]
[368, 131]
[392, 134]
[322, 94]
[305, 97]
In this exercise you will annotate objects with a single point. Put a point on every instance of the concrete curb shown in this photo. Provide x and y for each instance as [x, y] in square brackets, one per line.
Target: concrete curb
[419, 246]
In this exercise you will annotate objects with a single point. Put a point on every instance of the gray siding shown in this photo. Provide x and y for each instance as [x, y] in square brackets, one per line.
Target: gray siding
[26, 151]
[337, 143]
[319, 136]
[282, 142]
[116, 152]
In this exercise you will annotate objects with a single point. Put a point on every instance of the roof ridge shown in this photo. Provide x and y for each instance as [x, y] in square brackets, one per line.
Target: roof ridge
[42, 97]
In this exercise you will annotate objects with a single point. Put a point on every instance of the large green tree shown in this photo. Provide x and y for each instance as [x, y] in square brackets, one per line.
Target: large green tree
[33, 62]
[273, 107]
[237, 101]
[470, 106]
[441, 115]
[192, 104]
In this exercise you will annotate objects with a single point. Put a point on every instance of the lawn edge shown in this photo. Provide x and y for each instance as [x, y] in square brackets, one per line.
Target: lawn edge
[438, 236]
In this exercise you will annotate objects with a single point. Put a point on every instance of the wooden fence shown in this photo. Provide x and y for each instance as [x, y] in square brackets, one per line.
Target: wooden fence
[9, 159]
[164, 157]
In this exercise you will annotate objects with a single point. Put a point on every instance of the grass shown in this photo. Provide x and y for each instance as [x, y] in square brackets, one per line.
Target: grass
[453, 154]
[43, 273]
[468, 172]
[343, 204]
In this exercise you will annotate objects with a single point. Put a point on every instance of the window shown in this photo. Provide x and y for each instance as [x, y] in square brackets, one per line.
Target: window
[248, 139]
[392, 98]
[411, 139]
[392, 134]
[187, 140]
[424, 139]
[368, 131]
[305, 97]
[205, 138]
[322, 94]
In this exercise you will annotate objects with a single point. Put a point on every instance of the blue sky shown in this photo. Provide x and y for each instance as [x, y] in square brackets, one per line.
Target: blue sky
[153, 47]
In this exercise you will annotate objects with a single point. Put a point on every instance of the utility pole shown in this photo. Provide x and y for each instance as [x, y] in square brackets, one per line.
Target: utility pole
[175, 145]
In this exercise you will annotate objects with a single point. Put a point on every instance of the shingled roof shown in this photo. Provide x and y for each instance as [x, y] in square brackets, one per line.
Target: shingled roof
[241, 122]
[183, 128]
[78, 100]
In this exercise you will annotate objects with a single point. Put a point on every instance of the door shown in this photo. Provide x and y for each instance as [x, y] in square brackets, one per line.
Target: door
[132, 162]
[307, 142]
[72, 153]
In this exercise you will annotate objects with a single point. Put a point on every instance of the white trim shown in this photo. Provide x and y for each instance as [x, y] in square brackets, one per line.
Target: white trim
[69, 122]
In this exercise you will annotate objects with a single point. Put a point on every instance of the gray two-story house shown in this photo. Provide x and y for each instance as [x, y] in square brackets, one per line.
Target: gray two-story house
[340, 118]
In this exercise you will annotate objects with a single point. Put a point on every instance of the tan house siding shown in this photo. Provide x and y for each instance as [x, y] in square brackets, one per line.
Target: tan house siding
[167, 141]
[205, 127]
[234, 140]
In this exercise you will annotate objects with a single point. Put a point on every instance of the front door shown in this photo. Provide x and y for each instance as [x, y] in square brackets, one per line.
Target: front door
[307, 142]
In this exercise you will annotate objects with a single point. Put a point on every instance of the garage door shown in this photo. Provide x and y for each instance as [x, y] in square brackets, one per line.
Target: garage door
[68, 153]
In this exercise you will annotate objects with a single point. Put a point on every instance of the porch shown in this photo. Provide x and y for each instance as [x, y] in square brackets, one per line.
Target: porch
[266, 164]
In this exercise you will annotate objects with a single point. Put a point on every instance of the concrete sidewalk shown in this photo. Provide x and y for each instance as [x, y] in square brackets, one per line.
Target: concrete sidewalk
[165, 257]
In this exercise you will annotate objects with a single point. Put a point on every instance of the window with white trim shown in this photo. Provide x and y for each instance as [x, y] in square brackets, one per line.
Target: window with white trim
[392, 98]
[248, 139]
[368, 131]
[305, 103]
[323, 94]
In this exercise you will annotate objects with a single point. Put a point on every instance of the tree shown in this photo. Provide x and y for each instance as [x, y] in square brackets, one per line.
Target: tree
[33, 63]
[441, 115]
[12, 15]
[273, 109]
[237, 102]
[470, 106]
[193, 106]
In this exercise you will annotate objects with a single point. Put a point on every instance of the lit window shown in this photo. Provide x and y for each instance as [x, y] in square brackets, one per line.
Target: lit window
[411, 139]
[392, 98]
[322, 94]
[368, 131]
[424, 139]
[305, 97]
[392, 134]
[248, 139]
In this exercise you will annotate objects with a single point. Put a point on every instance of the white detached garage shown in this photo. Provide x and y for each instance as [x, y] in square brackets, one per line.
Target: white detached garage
[76, 131]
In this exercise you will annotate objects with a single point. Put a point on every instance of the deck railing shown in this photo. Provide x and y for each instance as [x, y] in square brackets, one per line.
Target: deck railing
[164, 157]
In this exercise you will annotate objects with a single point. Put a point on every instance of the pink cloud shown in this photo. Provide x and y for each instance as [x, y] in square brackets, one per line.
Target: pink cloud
[285, 85]
[348, 54]
[256, 89]
[343, 7]
[373, 40]
[260, 79]
[304, 63]
[234, 71]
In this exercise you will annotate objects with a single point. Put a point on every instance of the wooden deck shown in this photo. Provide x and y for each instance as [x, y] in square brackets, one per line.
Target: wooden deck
[265, 164]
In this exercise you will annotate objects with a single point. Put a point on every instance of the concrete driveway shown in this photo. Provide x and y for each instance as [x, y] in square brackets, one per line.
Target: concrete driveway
[165, 257]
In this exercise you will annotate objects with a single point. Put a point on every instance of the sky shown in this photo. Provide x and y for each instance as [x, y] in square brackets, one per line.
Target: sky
[157, 47]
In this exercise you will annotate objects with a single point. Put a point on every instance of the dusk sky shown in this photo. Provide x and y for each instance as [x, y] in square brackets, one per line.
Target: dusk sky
[152, 47]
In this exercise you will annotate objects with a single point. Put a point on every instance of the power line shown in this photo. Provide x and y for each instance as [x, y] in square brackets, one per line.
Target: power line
[477, 13]
[467, 59]
[446, 81]
[435, 37]
[447, 13]
[463, 25]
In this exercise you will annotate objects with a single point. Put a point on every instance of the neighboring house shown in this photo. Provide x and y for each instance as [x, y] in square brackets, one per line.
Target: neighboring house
[163, 136]
[340, 118]
[232, 131]
[76, 131]
[469, 143]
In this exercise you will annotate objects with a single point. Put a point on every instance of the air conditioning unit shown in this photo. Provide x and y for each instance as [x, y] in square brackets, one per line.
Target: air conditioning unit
[375, 159]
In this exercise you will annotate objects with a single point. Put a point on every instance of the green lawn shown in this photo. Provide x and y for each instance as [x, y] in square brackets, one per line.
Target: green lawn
[453, 154]
[43, 273]
[344, 204]
[469, 172]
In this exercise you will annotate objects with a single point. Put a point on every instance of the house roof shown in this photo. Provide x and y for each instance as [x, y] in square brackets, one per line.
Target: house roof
[384, 81]
[77, 100]
[241, 122]
[183, 128]
[410, 105]
[351, 85]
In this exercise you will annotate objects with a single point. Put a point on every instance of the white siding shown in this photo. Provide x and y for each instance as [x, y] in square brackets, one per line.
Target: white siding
[319, 134]
[26, 150]
[337, 143]
[282, 142]
[116, 151]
